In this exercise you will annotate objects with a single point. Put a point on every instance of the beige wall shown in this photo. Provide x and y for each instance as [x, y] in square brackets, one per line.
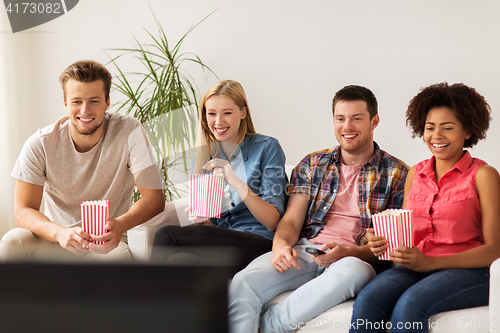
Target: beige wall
[291, 57]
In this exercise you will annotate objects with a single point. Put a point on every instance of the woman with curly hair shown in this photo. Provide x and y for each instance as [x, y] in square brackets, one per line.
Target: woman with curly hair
[455, 200]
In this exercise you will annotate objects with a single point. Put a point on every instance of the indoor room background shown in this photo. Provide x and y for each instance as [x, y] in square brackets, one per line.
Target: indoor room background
[291, 56]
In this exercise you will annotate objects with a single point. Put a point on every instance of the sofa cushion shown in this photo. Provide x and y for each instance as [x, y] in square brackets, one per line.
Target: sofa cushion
[338, 319]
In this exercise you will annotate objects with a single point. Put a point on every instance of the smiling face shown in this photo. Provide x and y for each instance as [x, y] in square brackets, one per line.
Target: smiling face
[224, 118]
[354, 129]
[86, 104]
[444, 134]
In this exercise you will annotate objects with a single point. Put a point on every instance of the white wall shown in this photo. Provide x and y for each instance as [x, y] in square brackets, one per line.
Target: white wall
[291, 56]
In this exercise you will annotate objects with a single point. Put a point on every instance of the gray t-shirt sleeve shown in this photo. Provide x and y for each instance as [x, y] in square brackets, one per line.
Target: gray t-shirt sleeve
[30, 165]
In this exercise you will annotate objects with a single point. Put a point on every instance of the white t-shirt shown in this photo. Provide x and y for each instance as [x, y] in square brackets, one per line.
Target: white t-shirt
[105, 172]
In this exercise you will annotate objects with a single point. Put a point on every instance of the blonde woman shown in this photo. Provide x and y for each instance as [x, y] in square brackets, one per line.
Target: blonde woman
[253, 166]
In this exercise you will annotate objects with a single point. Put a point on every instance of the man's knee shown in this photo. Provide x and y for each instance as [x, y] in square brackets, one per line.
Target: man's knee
[354, 270]
[238, 280]
[251, 277]
[242, 279]
[17, 236]
[15, 242]
[357, 265]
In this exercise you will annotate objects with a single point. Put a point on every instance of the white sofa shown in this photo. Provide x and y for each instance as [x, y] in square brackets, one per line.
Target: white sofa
[337, 319]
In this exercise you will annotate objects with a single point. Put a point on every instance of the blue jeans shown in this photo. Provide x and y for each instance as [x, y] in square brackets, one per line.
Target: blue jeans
[410, 298]
[317, 290]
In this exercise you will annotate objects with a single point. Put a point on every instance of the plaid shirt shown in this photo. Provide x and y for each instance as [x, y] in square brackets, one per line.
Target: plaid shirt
[381, 186]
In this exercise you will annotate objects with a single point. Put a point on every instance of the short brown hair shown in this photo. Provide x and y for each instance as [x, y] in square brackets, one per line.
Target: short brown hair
[470, 108]
[87, 71]
[357, 93]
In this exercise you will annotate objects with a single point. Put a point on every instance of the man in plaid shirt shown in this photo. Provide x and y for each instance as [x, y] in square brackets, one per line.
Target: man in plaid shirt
[332, 195]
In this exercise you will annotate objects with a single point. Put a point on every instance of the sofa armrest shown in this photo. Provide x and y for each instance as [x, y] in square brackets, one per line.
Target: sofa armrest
[140, 238]
[495, 292]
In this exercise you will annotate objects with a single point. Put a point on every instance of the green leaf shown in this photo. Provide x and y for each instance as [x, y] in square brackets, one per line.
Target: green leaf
[163, 97]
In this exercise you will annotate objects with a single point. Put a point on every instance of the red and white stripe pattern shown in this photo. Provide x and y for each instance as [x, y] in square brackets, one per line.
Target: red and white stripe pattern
[395, 225]
[406, 234]
[95, 214]
[205, 195]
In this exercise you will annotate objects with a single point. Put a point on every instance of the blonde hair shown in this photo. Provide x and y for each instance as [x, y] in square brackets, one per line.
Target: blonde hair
[207, 147]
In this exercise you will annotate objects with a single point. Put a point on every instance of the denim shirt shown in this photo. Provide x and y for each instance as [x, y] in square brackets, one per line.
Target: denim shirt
[260, 162]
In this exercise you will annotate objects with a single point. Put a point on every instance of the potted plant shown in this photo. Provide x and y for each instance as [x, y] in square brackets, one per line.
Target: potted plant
[163, 98]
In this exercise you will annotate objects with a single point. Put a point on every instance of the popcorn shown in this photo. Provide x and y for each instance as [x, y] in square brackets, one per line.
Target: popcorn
[395, 225]
[95, 214]
[205, 195]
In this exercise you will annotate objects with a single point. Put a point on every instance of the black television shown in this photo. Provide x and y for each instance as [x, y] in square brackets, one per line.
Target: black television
[117, 297]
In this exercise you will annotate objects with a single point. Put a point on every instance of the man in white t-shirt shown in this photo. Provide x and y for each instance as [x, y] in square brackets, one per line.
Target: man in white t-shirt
[88, 155]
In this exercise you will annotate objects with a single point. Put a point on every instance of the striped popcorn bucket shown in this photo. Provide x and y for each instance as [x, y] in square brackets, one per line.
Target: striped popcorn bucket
[95, 214]
[395, 225]
[205, 195]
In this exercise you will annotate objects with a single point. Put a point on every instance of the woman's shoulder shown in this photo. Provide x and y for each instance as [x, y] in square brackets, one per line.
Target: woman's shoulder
[411, 171]
[410, 176]
[257, 138]
[264, 147]
[487, 173]
[421, 164]
[488, 184]
[479, 162]
[418, 168]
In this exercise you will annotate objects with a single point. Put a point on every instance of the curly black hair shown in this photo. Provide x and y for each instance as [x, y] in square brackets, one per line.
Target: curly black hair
[469, 106]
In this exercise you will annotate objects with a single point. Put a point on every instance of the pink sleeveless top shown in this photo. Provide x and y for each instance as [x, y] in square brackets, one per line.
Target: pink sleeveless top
[446, 216]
